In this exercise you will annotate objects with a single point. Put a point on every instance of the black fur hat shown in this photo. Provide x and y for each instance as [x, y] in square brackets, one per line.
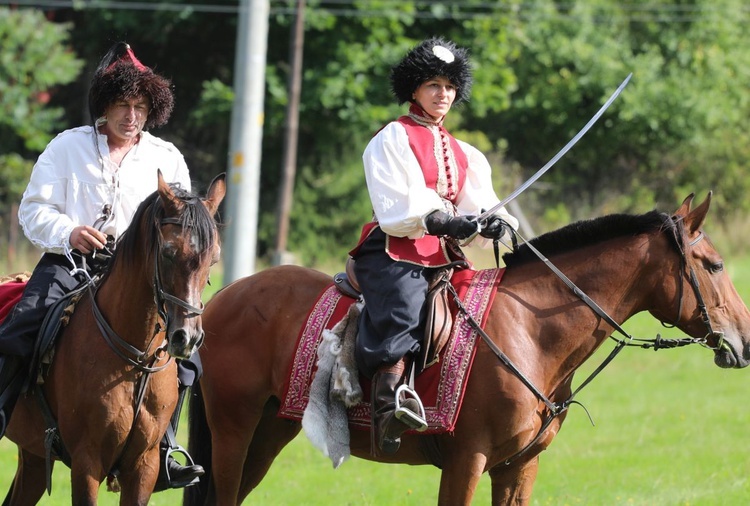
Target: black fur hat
[120, 75]
[433, 57]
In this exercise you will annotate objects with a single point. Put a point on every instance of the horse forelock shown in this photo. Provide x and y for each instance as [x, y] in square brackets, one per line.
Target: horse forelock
[196, 217]
[143, 233]
[591, 232]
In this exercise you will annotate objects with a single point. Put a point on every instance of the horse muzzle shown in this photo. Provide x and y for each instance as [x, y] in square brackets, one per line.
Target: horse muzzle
[728, 355]
[183, 343]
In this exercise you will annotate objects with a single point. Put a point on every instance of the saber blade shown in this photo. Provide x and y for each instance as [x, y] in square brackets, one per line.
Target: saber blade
[559, 155]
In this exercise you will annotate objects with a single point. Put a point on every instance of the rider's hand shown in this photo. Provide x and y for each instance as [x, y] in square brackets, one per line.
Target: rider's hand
[495, 228]
[441, 223]
[87, 239]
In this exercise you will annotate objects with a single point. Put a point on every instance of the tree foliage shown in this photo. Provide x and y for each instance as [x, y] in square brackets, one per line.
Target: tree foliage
[35, 59]
[542, 69]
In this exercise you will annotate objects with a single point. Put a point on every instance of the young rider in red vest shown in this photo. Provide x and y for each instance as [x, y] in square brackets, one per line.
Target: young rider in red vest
[426, 189]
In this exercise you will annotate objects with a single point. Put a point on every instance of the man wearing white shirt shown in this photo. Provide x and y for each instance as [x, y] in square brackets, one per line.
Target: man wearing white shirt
[83, 192]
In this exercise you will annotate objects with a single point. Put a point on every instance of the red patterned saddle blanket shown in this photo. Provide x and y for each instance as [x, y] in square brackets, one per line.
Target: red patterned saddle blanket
[441, 386]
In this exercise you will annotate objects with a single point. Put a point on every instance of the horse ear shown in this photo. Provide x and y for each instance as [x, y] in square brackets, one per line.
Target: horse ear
[694, 220]
[216, 192]
[685, 207]
[172, 205]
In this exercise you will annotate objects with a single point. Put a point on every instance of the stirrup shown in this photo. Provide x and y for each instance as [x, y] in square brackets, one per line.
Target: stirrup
[189, 462]
[414, 419]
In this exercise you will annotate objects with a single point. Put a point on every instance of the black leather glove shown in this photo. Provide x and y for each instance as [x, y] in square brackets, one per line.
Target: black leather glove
[441, 223]
[495, 228]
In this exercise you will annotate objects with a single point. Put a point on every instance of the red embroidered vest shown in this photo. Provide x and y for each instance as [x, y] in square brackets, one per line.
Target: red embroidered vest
[443, 165]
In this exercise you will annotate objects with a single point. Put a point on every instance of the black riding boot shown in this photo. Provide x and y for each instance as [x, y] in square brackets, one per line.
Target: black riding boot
[11, 382]
[172, 474]
[389, 421]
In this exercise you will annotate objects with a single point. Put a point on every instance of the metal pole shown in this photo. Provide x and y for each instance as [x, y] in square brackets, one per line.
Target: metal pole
[289, 166]
[245, 142]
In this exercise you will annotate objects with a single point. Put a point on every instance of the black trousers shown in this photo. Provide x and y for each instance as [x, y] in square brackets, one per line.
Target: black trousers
[392, 322]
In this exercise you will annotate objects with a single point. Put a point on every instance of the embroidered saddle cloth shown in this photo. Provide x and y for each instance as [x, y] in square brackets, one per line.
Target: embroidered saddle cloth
[440, 386]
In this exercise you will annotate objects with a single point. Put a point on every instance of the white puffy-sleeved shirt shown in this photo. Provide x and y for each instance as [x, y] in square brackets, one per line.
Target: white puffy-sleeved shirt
[72, 182]
[399, 195]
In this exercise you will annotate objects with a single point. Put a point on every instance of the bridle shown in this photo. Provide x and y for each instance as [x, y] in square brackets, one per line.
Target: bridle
[132, 355]
[555, 409]
[161, 297]
[695, 285]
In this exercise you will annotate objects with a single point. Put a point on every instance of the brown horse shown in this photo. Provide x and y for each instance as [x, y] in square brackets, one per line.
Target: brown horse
[537, 325]
[113, 391]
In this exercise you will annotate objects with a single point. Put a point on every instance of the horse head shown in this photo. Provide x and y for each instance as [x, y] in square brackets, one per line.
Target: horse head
[709, 306]
[188, 245]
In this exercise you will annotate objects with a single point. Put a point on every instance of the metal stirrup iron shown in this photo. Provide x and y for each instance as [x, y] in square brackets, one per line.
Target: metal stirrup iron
[414, 419]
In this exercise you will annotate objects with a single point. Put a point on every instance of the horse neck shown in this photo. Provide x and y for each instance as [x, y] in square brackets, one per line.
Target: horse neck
[126, 299]
[621, 276]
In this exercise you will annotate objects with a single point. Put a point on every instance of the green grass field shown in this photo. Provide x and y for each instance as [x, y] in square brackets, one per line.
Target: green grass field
[671, 429]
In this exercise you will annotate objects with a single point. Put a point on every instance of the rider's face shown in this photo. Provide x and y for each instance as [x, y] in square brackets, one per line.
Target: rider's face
[126, 118]
[435, 96]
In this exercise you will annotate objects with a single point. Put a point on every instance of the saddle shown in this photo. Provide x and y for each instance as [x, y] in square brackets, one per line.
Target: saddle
[439, 320]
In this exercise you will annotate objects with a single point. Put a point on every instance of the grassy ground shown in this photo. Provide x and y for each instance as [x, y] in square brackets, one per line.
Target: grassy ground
[671, 429]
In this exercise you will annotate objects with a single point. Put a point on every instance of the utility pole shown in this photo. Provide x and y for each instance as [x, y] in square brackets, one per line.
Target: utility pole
[289, 166]
[246, 140]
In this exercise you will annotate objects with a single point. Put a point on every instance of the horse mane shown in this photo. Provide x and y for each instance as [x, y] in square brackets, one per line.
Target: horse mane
[589, 232]
[143, 233]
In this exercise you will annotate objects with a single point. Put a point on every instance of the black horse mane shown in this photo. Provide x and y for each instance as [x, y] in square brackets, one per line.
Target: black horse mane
[142, 236]
[589, 232]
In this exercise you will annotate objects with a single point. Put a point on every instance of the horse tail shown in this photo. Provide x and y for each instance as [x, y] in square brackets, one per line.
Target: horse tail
[199, 447]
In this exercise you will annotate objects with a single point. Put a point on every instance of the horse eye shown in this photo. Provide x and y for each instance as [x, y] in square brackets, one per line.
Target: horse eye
[169, 252]
[716, 268]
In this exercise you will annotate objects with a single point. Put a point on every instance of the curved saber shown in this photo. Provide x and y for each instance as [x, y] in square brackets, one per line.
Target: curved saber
[559, 155]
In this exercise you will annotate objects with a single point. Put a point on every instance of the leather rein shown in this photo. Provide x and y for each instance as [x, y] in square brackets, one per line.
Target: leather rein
[555, 409]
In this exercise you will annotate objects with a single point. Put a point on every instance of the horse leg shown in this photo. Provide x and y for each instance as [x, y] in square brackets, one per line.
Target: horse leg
[271, 435]
[231, 436]
[513, 484]
[30, 481]
[460, 477]
[137, 484]
[83, 482]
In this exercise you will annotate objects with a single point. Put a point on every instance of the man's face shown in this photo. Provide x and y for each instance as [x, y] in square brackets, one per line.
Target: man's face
[126, 118]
